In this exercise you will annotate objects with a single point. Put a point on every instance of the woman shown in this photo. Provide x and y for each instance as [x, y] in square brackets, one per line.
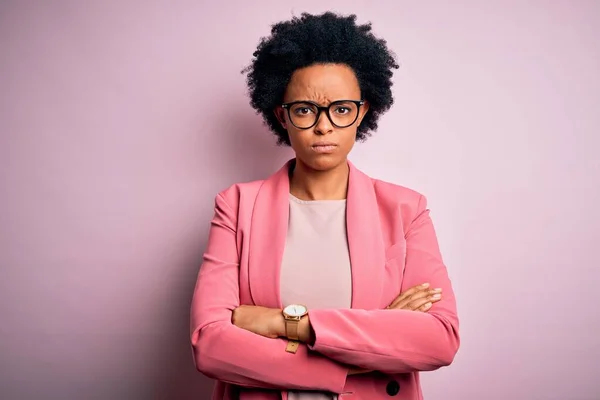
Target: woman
[320, 282]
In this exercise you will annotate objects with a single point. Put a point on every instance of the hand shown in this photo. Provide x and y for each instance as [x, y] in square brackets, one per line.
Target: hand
[263, 321]
[417, 298]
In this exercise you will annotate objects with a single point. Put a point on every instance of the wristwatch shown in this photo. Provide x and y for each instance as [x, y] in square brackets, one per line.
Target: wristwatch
[292, 315]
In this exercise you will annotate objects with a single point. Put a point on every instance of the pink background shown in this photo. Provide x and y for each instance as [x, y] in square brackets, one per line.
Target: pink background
[119, 122]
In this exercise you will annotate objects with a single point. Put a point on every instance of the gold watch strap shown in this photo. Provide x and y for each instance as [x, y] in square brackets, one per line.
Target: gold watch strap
[291, 329]
[292, 346]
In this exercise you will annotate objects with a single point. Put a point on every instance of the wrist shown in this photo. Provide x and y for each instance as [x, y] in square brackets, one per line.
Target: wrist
[278, 323]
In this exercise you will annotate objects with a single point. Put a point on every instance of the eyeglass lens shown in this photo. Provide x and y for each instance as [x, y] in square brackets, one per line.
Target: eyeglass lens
[342, 114]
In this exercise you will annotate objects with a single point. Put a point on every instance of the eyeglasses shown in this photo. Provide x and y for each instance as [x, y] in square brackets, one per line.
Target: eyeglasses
[305, 114]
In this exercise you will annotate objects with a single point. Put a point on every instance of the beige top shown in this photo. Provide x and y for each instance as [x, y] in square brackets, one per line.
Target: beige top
[315, 270]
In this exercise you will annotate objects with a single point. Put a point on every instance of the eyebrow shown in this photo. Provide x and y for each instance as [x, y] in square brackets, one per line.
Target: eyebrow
[318, 104]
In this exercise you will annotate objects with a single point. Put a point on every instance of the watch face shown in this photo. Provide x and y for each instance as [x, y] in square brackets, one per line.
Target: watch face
[295, 310]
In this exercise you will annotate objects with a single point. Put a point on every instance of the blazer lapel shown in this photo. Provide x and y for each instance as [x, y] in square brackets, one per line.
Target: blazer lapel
[268, 233]
[365, 241]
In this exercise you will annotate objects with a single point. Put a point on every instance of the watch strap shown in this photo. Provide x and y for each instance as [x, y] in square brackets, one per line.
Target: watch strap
[291, 329]
[292, 346]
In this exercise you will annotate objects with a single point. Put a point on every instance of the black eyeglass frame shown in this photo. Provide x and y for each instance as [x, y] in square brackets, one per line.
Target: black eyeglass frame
[320, 109]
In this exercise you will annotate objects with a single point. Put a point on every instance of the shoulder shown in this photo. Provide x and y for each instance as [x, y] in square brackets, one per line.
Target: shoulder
[244, 194]
[390, 191]
[390, 196]
[238, 193]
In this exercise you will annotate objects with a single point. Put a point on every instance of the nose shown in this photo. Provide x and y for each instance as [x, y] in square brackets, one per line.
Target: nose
[323, 125]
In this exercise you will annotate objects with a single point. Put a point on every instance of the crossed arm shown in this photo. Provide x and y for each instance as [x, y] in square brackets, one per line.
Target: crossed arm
[245, 345]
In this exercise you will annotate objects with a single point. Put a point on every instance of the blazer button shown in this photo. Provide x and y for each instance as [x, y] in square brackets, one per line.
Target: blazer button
[392, 388]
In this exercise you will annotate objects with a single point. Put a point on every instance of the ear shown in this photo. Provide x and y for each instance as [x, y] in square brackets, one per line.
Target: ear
[363, 111]
[280, 115]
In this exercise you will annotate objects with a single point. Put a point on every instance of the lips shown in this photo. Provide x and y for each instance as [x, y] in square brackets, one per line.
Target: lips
[318, 144]
[324, 147]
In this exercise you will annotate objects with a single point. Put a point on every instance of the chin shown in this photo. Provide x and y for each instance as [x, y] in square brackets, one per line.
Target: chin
[323, 162]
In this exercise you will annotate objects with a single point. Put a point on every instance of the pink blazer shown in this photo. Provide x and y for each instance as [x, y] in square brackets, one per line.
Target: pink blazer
[393, 247]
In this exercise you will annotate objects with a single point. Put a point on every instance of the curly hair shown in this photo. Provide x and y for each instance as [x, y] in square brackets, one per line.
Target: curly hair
[320, 39]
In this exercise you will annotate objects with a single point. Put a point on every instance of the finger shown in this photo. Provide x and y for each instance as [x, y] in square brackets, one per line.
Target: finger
[408, 293]
[416, 296]
[432, 295]
[414, 304]
[401, 303]
[418, 304]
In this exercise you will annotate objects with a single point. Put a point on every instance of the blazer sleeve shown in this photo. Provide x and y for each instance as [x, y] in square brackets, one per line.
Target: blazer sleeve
[397, 341]
[230, 354]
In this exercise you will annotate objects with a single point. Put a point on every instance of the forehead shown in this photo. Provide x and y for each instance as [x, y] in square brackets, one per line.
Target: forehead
[323, 83]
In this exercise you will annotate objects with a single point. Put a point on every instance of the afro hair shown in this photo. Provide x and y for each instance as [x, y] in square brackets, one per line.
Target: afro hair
[320, 39]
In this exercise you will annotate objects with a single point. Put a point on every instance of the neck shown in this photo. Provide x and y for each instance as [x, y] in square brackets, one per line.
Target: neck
[309, 184]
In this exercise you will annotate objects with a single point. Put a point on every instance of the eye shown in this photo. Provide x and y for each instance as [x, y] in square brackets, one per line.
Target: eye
[302, 110]
[342, 110]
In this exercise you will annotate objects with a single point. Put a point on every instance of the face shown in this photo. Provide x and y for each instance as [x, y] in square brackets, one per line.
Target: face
[323, 146]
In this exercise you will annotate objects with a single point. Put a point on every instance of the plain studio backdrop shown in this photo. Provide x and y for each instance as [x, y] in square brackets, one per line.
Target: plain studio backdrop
[121, 120]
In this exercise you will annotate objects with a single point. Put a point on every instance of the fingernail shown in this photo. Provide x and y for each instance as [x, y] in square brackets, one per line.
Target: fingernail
[427, 305]
[436, 290]
[436, 296]
[425, 285]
